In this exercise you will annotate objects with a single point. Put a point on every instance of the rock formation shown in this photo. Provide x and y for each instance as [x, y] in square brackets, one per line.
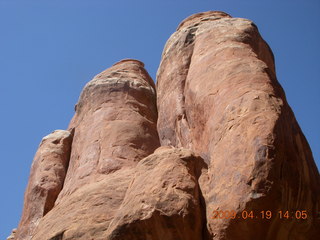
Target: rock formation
[46, 180]
[218, 96]
[163, 200]
[114, 127]
[217, 137]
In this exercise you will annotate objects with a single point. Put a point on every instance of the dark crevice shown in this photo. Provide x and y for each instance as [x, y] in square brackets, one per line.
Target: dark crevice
[190, 36]
[188, 43]
[72, 132]
[205, 233]
[59, 236]
[201, 165]
[50, 204]
[281, 170]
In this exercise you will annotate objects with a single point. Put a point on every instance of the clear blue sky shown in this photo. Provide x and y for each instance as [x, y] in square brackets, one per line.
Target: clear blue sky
[49, 49]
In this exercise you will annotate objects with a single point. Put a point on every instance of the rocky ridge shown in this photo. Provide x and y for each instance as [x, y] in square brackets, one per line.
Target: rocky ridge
[215, 134]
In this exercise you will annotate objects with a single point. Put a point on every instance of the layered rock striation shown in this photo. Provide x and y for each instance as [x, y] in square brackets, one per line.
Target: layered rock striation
[216, 136]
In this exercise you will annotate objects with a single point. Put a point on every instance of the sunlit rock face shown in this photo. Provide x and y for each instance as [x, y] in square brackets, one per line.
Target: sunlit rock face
[46, 180]
[218, 95]
[213, 151]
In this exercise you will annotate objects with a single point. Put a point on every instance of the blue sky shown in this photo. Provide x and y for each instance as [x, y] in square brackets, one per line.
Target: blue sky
[50, 49]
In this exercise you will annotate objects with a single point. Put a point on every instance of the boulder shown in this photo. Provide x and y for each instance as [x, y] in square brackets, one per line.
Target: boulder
[163, 200]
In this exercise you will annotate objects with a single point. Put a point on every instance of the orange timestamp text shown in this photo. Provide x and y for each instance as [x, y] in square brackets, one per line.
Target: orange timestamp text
[246, 214]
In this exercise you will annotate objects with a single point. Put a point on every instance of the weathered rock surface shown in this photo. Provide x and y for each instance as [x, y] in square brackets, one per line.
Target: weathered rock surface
[114, 128]
[163, 200]
[230, 142]
[114, 124]
[87, 212]
[218, 95]
[47, 176]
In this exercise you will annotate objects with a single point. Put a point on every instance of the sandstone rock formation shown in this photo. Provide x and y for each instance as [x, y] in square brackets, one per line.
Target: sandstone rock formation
[217, 136]
[218, 96]
[114, 127]
[114, 124]
[46, 180]
[163, 200]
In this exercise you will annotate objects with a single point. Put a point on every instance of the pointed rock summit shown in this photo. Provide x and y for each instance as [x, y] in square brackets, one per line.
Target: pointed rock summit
[213, 151]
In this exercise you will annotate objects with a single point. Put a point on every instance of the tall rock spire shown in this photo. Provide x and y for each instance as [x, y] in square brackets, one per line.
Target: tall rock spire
[114, 128]
[218, 95]
[114, 124]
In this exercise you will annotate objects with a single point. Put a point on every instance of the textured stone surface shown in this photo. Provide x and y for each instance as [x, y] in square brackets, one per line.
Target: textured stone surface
[114, 128]
[47, 176]
[86, 213]
[163, 199]
[114, 124]
[230, 142]
[218, 95]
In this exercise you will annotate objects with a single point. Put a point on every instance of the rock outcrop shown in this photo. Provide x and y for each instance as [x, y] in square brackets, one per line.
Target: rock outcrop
[163, 200]
[114, 125]
[215, 141]
[114, 128]
[218, 96]
[46, 180]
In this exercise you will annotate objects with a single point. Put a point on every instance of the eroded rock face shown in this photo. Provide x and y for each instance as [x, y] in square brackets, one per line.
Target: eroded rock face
[230, 142]
[218, 95]
[114, 124]
[114, 128]
[163, 200]
[46, 179]
[87, 212]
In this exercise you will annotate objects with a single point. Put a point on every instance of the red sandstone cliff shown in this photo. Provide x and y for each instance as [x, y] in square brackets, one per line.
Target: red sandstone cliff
[218, 96]
[217, 137]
